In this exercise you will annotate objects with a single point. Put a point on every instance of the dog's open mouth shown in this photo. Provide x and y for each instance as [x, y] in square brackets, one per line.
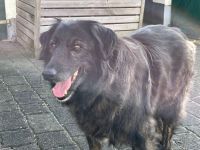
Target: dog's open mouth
[62, 90]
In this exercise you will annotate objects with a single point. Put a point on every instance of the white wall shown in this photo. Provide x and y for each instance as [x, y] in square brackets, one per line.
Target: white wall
[10, 7]
[165, 2]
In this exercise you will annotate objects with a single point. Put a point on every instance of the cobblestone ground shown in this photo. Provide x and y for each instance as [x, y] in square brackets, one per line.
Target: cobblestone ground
[30, 118]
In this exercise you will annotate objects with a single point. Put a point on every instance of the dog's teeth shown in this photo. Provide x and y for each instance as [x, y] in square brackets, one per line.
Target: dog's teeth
[76, 73]
[65, 92]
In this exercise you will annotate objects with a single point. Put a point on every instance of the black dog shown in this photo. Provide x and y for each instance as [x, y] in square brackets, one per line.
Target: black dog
[128, 90]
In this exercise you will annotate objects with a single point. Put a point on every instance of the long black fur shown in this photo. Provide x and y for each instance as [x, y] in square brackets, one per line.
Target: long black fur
[129, 90]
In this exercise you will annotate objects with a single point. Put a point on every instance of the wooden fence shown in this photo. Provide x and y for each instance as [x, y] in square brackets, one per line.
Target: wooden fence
[37, 16]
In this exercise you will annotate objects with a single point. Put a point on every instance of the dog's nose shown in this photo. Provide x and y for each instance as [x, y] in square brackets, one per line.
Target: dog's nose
[49, 74]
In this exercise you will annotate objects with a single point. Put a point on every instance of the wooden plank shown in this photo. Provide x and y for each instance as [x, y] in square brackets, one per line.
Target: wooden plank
[124, 33]
[26, 31]
[25, 7]
[29, 2]
[89, 12]
[25, 15]
[93, 0]
[142, 13]
[37, 29]
[89, 3]
[102, 19]
[127, 26]
[22, 42]
[25, 38]
[26, 23]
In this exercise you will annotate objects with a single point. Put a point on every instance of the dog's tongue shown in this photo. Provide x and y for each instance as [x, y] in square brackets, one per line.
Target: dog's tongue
[60, 88]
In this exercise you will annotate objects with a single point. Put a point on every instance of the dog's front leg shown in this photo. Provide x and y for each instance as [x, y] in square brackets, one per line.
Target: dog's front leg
[93, 143]
[167, 136]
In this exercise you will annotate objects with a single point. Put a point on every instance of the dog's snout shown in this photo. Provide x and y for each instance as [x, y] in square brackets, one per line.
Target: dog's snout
[49, 74]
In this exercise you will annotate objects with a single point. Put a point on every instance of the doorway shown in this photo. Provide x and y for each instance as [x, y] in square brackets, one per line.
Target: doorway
[3, 26]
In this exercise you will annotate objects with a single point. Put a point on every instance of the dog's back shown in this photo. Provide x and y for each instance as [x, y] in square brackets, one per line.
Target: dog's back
[171, 59]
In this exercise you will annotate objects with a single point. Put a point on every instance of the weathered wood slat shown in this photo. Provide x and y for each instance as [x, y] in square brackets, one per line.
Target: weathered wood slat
[26, 31]
[141, 13]
[29, 2]
[124, 33]
[25, 7]
[25, 15]
[22, 42]
[128, 26]
[102, 19]
[93, 1]
[89, 12]
[26, 23]
[25, 38]
[89, 3]
[37, 29]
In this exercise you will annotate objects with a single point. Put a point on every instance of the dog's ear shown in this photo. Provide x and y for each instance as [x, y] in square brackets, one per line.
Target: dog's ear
[44, 40]
[106, 39]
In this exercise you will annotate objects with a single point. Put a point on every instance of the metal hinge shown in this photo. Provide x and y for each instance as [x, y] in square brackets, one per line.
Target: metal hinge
[5, 21]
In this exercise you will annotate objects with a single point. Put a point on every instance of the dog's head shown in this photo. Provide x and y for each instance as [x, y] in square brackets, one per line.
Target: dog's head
[70, 49]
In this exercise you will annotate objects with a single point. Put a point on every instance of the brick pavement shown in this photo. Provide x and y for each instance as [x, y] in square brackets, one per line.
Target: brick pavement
[31, 119]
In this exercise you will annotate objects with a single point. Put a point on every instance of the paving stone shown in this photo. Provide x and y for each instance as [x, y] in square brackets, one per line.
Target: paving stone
[12, 121]
[36, 108]
[27, 97]
[176, 146]
[63, 115]
[181, 130]
[74, 130]
[51, 139]
[17, 138]
[52, 102]
[35, 75]
[43, 92]
[14, 80]
[3, 87]
[28, 147]
[68, 147]
[5, 96]
[8, 106]
[124, 148]
[197, 100]
[191, 120]
[5, 148]
[20, 88]
[187, 141]
[43, 123]
[82, 142]
[195, 129]
[8, 70]
[35, 81]
[194, 108]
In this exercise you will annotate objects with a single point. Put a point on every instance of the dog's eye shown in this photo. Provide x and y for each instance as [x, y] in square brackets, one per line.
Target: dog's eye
[52, 44]
[77, 47]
